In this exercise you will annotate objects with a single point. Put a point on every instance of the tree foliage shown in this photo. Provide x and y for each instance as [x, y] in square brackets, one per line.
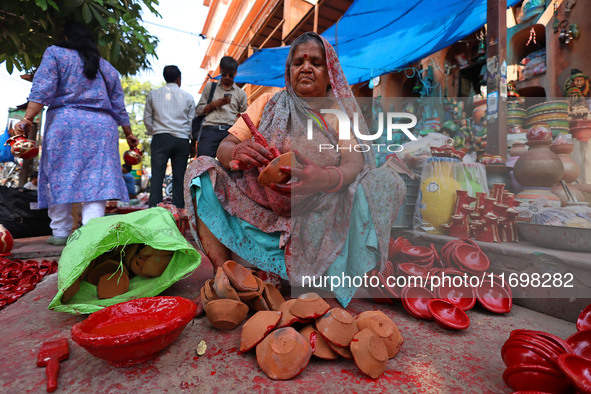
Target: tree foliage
[28, 27]
[135, 93]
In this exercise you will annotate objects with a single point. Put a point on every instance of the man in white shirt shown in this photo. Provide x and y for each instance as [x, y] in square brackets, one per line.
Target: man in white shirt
[167, 115]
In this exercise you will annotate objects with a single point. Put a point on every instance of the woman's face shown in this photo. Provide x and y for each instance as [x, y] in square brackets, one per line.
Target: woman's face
[308, 71]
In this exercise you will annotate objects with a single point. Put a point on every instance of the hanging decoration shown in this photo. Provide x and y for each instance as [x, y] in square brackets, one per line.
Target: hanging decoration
[532, 36]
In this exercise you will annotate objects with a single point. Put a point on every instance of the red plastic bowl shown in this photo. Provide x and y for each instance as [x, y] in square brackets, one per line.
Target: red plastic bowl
[132, 332]
[536, 378]
[581, 343]
[494, 297]
[416, 301]
[578, 370]
[447, 315]
[584, 320]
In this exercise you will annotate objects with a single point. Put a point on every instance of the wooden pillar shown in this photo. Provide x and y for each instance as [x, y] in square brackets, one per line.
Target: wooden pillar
[316, 17]
[496, 66]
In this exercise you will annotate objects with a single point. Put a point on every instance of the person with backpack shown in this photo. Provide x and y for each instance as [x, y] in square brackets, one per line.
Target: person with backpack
[221, 110]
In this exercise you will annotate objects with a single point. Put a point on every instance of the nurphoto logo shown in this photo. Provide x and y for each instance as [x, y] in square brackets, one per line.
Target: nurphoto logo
[392, 124]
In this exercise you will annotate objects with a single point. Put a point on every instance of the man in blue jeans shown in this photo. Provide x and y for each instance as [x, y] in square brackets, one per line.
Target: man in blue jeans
[227, 103]
[168, 114]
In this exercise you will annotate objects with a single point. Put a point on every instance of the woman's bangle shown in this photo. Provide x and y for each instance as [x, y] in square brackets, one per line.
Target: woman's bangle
[340, 184]
[28, 121]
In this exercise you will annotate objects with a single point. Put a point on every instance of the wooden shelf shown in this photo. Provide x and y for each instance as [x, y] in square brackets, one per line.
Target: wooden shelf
[534, 81]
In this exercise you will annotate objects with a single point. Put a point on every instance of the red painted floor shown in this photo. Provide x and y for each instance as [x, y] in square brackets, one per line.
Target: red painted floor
[432, 359]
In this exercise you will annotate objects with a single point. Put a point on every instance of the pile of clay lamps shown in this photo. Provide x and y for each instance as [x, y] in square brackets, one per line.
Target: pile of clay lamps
[450, 300]
[283, 352]
[234, 292]
[18, 277]
[539, 361]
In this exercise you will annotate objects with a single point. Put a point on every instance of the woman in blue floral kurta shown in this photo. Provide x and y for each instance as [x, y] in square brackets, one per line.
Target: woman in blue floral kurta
[80, 154]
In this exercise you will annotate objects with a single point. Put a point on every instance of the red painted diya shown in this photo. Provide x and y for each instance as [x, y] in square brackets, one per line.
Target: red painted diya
[494, 297]
[536, 378]
[471, 258]
[584, 320]
[133, 156]
[416, 300]
[581, 344]
[461, 296]
[447, 315]
[132, 332]
[578, 370]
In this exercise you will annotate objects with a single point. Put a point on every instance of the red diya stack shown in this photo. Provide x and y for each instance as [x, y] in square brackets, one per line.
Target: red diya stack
[489, 219]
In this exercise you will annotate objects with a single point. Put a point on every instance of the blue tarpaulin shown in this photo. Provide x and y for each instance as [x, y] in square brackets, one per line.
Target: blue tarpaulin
[378, 37]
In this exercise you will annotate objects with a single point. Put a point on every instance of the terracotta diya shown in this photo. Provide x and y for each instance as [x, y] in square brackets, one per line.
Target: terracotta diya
[343, 351]
[283, 354]
[309, 306]
[112, 285]
[320, 348]
[106, 267]
[287, 318]
[246, 296]
[584, 319]
[256, 329]
[447, 315]
[226, 314]
[272, 173]
[222, 286]
[337, 326]
[383, 327]
[578, 370]
[240, 277]
[416, 300]
[370, 353]
[494, 297]
[273, 297]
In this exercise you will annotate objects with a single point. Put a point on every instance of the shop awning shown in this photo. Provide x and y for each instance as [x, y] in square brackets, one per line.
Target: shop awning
[378, 37]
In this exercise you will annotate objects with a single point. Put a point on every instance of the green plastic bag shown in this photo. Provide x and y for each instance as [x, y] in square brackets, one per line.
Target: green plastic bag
[155, 227]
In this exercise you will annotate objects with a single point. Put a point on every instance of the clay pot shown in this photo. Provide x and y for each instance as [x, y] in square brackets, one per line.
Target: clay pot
[517, 149]
[320, 348]
[6, 241]
[539, 133]
[337, 326]
[581, 129]
[246, 296]
[383, 327]
[571, 169]
[370, 353]
[309, 306]
[558, 191]
[343, 351]
[273, 297]
[226, 314]
[112, 285]
[287, 318]
[272, 172]
[538, 167]
[241, 278]
[283, 354]
[155, 265]
[222, 286]
[133, 156]
[256, 329]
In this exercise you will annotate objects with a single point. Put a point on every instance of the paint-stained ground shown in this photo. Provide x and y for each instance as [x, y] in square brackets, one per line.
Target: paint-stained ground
[431, 360]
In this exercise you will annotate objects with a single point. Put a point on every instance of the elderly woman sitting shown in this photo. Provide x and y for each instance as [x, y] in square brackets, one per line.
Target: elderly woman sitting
[333, 219]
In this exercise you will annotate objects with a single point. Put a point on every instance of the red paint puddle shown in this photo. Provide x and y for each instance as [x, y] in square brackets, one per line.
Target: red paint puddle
[313, 338]
[269, 328]
[125, 327]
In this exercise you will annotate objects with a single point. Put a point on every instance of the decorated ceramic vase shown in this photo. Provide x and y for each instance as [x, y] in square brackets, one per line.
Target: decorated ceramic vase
[22, 147]
[539, 133]
[133, 156]
[437, 193]
[6, 241]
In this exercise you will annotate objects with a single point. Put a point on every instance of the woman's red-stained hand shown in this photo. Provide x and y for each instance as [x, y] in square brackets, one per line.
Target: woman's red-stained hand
[132, 141]
[311, 178]
[20, 128]
[249, 154]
